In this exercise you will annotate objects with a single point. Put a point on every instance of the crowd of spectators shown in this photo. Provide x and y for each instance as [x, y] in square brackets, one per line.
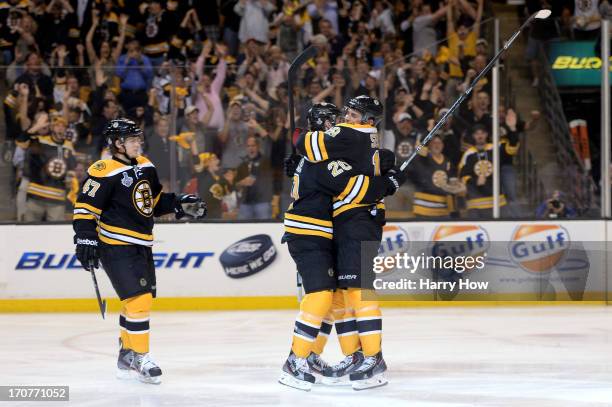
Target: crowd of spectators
[207, 81]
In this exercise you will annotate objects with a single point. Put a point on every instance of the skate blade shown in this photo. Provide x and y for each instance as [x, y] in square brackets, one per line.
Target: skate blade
[149, 380]
[335, 381]
[124, 374]
[291, 381]
[376, 381]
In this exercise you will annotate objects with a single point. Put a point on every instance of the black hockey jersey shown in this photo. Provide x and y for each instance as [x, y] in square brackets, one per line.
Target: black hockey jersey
[46, 165]
[357, 145]
[475, 163]
[118, 200]
[429, 176]
[314, 184]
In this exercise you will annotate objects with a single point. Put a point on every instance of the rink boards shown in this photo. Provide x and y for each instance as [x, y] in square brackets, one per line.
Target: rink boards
[38, 271]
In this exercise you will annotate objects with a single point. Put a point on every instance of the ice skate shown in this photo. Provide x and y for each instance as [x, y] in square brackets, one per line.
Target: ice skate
[317, 366]
[337, 375]
[124, 363]
[370, 373]
[296, 373]
[145, 369]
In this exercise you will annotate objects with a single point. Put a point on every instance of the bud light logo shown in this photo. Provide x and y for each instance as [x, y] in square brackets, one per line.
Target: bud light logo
[394, 241]
[539, 248]
[459, 240]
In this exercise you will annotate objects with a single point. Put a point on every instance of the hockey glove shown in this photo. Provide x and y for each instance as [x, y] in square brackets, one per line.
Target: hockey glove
[394, 178]
[291, 164]
[387, 160]
[189, 205]
[88, 250]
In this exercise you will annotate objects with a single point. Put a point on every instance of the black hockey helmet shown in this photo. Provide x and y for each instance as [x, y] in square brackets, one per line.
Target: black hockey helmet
[120, 129]
[320, 112]
[369, 107]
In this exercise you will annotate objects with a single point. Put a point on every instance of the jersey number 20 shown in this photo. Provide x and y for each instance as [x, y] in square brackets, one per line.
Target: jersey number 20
[338, 167]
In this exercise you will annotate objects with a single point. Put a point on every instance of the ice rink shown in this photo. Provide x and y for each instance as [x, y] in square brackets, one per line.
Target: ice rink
[541, 356]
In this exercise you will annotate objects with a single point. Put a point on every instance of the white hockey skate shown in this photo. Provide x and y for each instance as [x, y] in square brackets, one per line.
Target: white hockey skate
[296, 373]
[124, 363]
[338, 375]
[132, 365]
[317, 366]
[370, 374]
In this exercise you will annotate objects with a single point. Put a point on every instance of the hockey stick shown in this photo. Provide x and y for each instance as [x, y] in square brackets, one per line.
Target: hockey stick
[101, 303]
[540, 15]
[297, 63]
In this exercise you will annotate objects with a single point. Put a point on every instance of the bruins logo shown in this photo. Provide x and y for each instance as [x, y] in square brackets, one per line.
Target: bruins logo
[56, 168]
[483, 167]
[404, 149]
[100, 166]
[217, 191]
[142, 198]
[439, 178]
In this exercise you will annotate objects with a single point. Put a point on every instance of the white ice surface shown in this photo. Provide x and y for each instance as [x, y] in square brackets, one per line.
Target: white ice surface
[543, 356]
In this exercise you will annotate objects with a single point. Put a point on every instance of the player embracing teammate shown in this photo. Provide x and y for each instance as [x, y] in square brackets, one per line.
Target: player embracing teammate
[338, 186]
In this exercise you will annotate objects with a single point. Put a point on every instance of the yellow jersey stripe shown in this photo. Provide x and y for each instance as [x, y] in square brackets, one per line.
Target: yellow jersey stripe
[88, 207]
[308, 219]
[348, 188]
[156, 200]
[309, 153]
[346, 207]
[308, 232]
[321, 140]
[43, 195]
[83, 217]
[46, 188]
[364, 189]
[127, 232]
[110, 241]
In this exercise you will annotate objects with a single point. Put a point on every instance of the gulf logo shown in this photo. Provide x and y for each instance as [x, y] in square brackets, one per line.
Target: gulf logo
[459, 240]
[394, 241]
[538, 248]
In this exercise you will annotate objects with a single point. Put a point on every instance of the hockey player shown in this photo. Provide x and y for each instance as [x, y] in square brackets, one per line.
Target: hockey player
[355, 223]
[347, 140]
[113, 222]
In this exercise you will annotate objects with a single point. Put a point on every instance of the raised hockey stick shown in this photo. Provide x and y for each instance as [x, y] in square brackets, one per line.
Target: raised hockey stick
[540, 15]
[297, 63]
[101, 302]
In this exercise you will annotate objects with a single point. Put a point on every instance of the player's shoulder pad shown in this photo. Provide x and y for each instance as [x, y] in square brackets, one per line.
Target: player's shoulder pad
[105, 168]
[364, 128]
[144, 161]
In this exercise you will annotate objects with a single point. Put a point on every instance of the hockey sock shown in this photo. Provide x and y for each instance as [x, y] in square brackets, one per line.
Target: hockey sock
[369, 321]
[321, 341]
[134, 322]
[314, 307]
[346, 325]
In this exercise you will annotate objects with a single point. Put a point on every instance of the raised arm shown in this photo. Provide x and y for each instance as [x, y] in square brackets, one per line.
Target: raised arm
[119, 47]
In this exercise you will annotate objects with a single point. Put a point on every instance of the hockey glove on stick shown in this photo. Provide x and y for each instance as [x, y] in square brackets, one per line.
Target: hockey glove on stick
[87, 250]
[291, 164]
[190, 205]
[394, 179]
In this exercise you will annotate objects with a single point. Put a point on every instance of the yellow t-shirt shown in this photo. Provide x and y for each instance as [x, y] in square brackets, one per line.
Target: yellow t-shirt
[469, 49]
